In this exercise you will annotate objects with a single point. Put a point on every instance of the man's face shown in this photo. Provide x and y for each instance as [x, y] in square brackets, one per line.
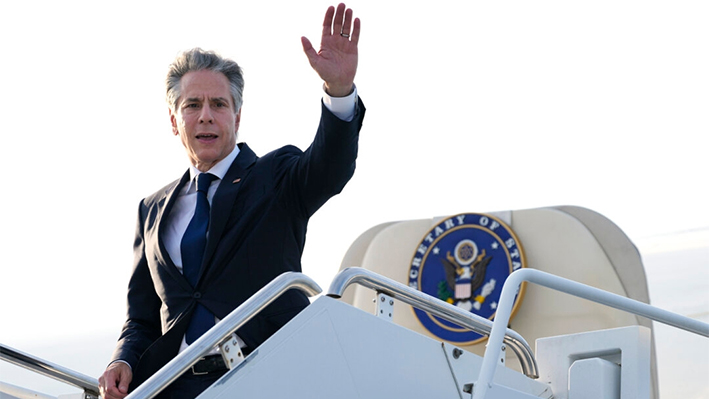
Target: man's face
[205, 118]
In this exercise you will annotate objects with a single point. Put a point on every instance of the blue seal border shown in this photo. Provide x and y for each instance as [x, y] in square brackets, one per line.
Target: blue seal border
[424, 270]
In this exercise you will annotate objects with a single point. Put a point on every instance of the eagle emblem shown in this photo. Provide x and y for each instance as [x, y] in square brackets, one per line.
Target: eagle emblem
[465, 273]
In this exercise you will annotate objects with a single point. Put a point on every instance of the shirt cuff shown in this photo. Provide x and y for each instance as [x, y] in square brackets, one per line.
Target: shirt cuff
[121, 361]
[342, 107]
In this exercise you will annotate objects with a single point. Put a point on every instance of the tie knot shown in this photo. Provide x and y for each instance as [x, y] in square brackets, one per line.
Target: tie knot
[203, 181]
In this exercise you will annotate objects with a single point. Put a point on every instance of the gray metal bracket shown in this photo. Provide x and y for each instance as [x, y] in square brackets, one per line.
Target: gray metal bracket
[385, 306]
[231, 352]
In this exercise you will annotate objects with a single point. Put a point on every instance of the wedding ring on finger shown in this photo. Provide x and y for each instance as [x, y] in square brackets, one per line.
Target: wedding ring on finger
[346, 35]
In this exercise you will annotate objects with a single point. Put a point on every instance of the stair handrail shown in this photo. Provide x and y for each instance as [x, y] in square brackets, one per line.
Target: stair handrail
[222, 331]
[33, 363]
[504, 312]
[427, 303]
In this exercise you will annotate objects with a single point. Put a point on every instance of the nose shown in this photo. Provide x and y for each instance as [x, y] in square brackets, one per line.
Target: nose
[206, 115]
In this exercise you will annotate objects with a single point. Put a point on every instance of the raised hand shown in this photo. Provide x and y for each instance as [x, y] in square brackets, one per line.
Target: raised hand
[336, 62]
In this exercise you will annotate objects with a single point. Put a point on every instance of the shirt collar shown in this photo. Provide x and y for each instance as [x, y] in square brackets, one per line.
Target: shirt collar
[219, 170]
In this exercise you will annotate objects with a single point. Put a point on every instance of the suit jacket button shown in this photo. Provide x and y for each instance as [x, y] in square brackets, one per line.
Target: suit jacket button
[197, 295]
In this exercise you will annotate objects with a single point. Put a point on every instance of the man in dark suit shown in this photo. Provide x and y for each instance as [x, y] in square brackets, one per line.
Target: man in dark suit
[255, 213]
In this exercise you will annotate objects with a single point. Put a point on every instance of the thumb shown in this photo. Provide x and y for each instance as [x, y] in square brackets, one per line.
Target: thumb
[124, 380]
[123, 387]
[308, 49]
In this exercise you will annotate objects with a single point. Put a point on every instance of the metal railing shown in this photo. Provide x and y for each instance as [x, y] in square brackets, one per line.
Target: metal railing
[43, 367]
[504, 312]
[223, 330]
[444, 310]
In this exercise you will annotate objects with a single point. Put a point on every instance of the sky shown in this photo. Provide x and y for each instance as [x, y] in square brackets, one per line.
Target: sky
[471, 107]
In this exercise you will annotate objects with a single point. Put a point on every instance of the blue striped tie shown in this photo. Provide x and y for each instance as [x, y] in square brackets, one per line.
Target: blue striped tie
[192, 249]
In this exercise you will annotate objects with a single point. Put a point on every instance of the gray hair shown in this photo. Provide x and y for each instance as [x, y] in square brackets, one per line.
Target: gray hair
[197, 59]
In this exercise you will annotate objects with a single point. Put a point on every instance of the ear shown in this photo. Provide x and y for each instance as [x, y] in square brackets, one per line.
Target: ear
[173, 122]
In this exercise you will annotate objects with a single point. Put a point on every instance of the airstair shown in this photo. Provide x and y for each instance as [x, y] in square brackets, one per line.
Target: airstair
[335, 350]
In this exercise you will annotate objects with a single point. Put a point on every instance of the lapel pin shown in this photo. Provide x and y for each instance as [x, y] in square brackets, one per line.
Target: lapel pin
[236, 180]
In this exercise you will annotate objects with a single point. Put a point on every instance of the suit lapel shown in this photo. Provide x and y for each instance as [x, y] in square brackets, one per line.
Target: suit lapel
[163, 214]
[224, 199]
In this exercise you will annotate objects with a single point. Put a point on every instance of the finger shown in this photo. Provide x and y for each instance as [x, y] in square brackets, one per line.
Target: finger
[354, 36]
[124, 379]
[308, 49]
[307, 46]
[339, 17]
[327, 23]
[107, 385]
[102, 386]
[114, 394]
[346, 26]
[123, 383]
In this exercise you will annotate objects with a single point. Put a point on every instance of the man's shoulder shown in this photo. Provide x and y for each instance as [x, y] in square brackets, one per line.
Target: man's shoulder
[274, 156]
[285, 151]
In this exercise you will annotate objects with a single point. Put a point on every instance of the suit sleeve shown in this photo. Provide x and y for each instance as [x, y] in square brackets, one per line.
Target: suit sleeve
[142, 326]
[311, 178]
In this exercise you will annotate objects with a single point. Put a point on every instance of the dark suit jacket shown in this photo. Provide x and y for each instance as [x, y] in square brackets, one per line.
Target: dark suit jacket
[259, 217]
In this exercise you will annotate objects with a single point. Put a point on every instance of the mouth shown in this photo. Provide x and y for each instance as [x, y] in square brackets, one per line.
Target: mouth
[206, 136]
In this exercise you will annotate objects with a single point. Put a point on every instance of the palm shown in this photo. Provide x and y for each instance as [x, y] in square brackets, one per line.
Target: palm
[336, 62]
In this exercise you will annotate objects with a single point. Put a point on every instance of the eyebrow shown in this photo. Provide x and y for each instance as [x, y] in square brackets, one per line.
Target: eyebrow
[198, 99]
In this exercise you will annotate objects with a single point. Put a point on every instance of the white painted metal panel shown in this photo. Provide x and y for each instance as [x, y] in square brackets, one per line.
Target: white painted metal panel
[333, 350]
[628, 347]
